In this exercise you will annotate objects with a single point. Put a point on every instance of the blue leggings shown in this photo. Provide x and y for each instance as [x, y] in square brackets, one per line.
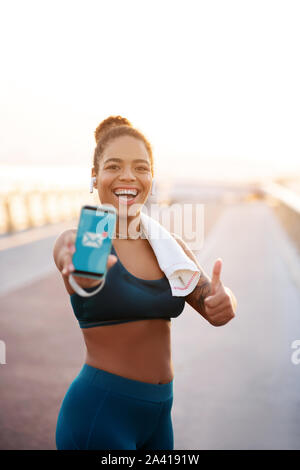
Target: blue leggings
[106, 411]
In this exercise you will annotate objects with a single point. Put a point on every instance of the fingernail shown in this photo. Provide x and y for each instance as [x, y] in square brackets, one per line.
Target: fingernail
[71, 267]
[64, 271]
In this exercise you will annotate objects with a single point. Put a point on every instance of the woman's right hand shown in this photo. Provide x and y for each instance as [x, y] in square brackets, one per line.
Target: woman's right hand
[65, 255]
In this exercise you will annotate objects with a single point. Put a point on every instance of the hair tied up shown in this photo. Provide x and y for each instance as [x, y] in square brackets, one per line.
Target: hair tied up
[112, 128]
[111, 121]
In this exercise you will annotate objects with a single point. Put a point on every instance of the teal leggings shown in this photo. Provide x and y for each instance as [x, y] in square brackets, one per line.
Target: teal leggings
[106, 411]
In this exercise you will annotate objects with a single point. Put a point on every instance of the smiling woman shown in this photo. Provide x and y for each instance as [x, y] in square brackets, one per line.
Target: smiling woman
[122, 398]
[123, 167]
[128, 361]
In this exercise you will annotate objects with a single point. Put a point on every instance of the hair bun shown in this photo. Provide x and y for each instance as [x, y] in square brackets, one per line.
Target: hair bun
[111, 121]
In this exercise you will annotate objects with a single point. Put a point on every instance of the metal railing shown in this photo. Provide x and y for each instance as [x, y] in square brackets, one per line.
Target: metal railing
[21, 210]
[286, 204]
[284, 195]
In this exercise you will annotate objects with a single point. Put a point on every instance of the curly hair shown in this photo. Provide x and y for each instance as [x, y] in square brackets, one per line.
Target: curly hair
[111, 128]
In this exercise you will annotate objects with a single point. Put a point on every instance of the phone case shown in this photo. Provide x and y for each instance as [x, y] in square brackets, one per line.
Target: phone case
[95, 230]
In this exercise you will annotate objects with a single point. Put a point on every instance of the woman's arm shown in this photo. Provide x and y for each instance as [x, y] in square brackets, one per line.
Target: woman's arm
[220, 306]
[62, 254]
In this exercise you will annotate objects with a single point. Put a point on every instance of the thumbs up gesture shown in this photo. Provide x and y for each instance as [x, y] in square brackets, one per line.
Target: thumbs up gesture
[219, 304]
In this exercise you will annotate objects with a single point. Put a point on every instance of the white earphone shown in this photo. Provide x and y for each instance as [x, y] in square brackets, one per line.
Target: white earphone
[93, 180]
[153, 187]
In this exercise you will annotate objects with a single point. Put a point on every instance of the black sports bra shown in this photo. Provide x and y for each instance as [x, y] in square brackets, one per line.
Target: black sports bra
[125, 298]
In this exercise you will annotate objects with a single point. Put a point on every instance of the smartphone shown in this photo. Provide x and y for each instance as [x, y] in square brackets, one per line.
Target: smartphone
[95, 231]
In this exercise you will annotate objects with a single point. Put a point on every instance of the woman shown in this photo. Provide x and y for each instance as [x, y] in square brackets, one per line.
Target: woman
[123, 395]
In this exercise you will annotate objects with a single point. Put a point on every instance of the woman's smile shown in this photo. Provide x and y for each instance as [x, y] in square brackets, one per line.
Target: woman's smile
[126, 194]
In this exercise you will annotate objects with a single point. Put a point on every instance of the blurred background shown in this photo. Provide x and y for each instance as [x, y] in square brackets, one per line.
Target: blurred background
[214, 86]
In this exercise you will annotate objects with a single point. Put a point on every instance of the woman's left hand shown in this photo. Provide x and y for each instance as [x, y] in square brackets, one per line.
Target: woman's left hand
[218, 305]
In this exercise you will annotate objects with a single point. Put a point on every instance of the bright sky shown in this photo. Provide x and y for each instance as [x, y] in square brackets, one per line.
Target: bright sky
[210, 83]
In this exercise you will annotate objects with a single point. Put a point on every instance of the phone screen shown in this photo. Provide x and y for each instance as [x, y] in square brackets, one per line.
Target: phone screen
[93, 241]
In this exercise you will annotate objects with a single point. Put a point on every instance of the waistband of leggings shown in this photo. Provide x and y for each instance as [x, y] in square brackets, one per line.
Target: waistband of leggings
[123, 385]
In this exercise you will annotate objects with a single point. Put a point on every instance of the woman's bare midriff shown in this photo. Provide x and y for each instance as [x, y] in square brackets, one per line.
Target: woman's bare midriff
[139, 350]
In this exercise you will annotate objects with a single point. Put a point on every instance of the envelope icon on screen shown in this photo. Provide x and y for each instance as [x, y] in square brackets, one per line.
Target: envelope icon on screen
[92, 239]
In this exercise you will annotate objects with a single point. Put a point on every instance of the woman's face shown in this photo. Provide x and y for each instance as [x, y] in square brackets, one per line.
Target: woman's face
[125, 164]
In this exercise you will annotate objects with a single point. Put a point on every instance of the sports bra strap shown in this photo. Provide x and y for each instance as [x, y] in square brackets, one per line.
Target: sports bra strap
[80, 291]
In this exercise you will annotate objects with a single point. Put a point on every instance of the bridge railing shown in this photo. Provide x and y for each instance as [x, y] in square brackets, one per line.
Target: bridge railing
[21, 210]
[286, 204]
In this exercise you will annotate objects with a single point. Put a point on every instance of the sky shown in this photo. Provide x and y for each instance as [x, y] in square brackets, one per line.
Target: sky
[213, 85]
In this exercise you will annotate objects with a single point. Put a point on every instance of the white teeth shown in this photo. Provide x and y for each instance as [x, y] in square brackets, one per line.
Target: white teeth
[132, 192]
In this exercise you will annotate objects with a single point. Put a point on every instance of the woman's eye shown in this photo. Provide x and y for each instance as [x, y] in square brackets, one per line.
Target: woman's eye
[112, 166]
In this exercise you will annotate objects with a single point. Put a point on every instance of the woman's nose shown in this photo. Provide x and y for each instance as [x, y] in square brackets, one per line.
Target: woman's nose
[127, 174]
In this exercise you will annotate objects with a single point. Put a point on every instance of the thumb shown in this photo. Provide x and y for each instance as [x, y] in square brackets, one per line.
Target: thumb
[215, 280]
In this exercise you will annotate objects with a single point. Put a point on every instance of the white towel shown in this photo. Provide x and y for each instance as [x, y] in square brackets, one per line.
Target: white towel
[182, 273]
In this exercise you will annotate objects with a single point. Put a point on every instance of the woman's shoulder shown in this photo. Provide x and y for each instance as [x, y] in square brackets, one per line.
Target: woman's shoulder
[186, 249]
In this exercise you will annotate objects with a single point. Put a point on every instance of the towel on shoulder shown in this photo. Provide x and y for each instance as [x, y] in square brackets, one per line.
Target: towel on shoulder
[180, 270]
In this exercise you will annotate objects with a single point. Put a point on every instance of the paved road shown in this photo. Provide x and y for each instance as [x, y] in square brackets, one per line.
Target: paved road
[235, 387]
